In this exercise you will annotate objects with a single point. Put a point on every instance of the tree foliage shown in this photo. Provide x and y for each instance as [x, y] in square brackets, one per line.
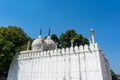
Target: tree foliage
[54, 37]
[12, 40]
[114, 76]
[65, 39]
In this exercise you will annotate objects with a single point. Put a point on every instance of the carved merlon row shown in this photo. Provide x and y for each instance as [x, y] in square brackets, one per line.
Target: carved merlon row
[57, 52]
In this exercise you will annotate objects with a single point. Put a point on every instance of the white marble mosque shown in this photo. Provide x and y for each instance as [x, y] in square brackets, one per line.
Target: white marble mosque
[46, 62]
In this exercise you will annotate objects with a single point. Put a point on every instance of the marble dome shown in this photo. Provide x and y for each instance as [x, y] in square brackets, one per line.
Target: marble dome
[37, 43]
[50, 43]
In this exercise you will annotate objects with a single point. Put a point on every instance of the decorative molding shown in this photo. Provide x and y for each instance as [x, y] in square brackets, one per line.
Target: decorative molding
[57, 52]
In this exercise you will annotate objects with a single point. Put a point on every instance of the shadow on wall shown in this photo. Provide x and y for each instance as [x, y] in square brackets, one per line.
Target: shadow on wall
[14, 69]
[3, 78]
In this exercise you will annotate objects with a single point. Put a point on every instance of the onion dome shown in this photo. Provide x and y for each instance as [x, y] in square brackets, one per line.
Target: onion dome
[38, 44]
[50, 44]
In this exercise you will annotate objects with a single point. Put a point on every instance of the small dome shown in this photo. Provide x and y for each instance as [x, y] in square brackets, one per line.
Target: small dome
[37, 43]
[50, 43]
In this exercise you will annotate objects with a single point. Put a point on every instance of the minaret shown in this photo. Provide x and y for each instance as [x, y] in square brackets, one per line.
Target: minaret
[92, 36]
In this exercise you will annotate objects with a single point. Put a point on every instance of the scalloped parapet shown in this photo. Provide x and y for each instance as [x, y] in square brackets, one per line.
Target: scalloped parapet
[57, 52]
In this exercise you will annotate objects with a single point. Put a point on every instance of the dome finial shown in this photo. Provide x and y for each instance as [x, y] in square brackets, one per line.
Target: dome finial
[49, 32]
[41, 31]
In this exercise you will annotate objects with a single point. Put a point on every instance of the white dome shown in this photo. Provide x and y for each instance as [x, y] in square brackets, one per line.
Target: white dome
[50, 43]
[37, 43]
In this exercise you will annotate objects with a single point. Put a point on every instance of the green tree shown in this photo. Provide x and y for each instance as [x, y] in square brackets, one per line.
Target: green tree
[114, 76]
[54, 37]
[65, 39]
[12, 39]
[118, 76]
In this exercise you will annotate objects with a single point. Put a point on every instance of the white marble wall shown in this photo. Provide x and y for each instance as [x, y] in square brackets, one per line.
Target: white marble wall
[79, 63]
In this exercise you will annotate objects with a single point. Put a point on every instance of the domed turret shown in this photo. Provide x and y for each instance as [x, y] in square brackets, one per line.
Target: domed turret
[38, 44]
[50, 43]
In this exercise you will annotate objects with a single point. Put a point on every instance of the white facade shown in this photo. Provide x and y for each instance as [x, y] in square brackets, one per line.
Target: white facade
[79, 63]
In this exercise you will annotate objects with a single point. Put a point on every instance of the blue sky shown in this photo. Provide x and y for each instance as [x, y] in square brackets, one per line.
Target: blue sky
[61, 15]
